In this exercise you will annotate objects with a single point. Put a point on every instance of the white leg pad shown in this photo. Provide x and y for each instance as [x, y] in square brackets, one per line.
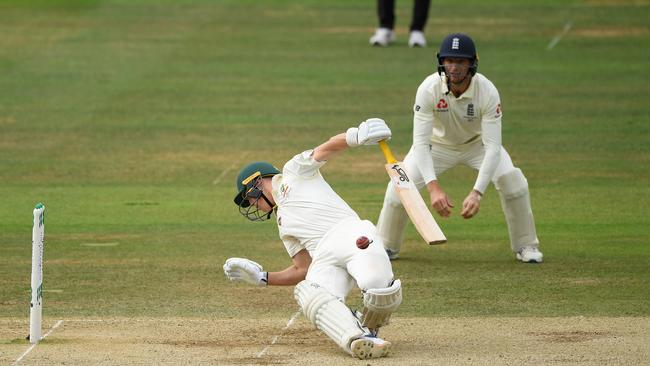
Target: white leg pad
[328, 313]
[515, 201]
[392, 221]
[379, 304]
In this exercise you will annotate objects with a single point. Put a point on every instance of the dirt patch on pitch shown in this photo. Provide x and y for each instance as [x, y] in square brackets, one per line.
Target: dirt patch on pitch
[417, 341]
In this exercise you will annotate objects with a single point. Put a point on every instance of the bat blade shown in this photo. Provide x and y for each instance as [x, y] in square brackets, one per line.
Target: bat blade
[414, 205]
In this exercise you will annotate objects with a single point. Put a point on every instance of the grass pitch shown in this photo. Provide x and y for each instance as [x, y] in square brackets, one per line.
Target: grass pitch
[130, 119]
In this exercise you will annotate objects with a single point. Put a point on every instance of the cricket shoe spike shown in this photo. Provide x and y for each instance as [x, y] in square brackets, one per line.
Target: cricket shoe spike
[368, 347]
[382, 37]
[530, 255]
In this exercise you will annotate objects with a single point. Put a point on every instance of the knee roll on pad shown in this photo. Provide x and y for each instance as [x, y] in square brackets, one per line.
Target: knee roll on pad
[328, 313]
[379, 304]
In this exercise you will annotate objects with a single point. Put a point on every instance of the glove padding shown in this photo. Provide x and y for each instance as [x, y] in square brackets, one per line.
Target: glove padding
[369, 132]
[245, 270]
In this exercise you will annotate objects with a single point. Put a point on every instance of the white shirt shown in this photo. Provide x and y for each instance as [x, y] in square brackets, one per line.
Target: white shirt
[442, 119]
[307, 206]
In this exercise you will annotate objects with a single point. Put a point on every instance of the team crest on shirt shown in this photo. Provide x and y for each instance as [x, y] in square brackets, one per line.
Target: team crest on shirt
[470, 113]
[442, 105]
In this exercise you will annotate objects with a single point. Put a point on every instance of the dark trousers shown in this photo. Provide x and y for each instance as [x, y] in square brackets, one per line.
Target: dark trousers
[386, 12]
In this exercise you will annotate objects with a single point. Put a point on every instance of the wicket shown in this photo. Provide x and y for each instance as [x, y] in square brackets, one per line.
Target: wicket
[36, 304]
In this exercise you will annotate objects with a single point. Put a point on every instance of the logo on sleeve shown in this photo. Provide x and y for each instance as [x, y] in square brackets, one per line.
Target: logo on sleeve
[498, 111]
[442, 105]
[284, 190]
[417, 108]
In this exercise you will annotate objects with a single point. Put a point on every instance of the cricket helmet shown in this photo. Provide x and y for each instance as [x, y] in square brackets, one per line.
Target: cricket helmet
[458, 45]
[247, 179]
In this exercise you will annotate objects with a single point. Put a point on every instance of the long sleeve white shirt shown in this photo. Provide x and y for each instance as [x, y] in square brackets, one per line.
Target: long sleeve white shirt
[440, 118]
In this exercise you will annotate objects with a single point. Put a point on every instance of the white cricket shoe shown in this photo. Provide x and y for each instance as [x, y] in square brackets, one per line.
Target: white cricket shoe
[530, 254]
[382, 37]
[416, 39]
[392, 254]
[369, 347]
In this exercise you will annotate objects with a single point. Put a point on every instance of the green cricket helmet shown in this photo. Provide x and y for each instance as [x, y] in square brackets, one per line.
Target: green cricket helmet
[247, 179]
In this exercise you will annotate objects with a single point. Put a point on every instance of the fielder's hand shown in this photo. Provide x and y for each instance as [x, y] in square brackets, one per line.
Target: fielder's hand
[471, 204]
[369, 132]
[439, 199]
[245, 270]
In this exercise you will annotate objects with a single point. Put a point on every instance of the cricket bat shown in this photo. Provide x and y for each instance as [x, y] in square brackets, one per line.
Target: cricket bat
[411, 199]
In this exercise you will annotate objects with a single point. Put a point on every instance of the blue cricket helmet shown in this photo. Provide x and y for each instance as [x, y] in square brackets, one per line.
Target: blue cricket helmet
[458, 45]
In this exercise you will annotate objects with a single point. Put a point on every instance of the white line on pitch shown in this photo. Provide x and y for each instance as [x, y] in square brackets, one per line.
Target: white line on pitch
[112, 244]
[34, 345]
[275, 339]
[557, 38]
[232, 166]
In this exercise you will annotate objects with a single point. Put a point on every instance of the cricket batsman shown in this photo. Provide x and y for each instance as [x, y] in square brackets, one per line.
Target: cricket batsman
[331, 248]
[457, 121]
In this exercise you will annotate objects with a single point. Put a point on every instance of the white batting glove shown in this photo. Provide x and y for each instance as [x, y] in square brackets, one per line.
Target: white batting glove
[369, 132]
[245, 270]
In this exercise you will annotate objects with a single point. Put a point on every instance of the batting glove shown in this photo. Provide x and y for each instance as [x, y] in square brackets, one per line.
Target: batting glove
[369, 132]
[245, 270]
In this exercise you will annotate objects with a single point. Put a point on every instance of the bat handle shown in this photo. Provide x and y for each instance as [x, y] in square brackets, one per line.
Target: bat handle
[390, 159]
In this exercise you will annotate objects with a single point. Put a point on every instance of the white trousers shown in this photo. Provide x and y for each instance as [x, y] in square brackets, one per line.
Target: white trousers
[338, 264]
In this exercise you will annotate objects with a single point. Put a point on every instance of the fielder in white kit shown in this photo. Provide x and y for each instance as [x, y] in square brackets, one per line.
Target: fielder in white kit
[457, 121]
[320, 233]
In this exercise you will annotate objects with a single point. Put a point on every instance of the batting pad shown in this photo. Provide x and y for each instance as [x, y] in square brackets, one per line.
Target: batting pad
[515, 200]
[380, 303]
[328, 313]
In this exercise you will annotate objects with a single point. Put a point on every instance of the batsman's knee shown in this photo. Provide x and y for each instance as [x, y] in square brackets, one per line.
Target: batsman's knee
[311, 297]
[380, 303]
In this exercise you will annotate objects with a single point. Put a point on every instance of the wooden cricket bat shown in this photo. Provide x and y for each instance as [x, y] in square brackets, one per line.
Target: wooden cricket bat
[411, 199]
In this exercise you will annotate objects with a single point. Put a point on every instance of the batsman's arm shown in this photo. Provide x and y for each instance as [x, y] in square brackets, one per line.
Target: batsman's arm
[293, 274]
[335, 144]
[369, 132]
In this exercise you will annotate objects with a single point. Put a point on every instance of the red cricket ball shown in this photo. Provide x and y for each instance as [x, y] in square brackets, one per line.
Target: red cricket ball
[363, 242]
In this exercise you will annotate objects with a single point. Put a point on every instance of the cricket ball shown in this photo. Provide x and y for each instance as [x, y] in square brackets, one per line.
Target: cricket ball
[363, 242]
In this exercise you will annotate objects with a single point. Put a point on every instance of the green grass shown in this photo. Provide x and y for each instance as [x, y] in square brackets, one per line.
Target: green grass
[129, 120]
